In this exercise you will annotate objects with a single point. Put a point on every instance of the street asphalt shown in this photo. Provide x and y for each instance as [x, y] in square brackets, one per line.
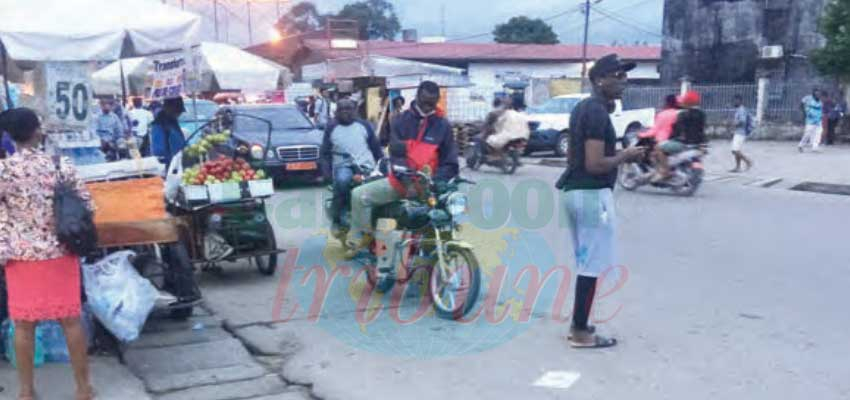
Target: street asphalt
[737, 292]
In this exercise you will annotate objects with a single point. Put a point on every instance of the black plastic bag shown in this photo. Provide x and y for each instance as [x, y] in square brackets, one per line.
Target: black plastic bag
[74, 221]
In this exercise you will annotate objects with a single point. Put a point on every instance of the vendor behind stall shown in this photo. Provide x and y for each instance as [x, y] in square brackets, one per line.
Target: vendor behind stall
[166, 136]
[110, 129]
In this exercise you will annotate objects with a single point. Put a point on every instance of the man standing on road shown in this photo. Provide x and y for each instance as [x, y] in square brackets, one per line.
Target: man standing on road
[589, 183]
[833, 111]
[140, 120]
[743, 129]
[813, 111]
[325, 108]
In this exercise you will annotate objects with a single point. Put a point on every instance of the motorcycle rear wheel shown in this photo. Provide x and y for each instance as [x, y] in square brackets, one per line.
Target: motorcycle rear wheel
[511, 162]
[689, 189]
[445, 291]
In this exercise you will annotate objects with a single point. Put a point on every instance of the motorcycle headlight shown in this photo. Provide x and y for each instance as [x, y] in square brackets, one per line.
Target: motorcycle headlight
[257, 152]
[456, 204]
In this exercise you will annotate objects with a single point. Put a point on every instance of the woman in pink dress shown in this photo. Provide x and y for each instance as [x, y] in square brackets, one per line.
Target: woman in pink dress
[42, 277]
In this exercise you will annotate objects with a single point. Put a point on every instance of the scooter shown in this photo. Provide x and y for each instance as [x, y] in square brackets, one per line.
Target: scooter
[507, 160]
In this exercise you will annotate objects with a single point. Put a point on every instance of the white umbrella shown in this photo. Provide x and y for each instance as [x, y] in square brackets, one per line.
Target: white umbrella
[93, 30]
[223, 67]
[108, 80]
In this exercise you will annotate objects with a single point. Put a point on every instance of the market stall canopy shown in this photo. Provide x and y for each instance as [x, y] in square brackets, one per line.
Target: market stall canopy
[94, 30]
[394, 69]
[223, 67]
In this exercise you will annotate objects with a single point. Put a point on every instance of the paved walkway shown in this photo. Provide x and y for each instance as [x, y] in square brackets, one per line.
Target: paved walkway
[772, 161]
[56, 382]
[782, 160]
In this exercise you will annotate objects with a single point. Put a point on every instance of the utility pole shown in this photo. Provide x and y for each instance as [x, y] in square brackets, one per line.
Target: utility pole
[277, 3]
[443, 19]
[215, 18]
[584, 46]
[250, 32]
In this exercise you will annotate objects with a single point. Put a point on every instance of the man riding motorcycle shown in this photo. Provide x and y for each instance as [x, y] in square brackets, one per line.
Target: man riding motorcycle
[421, 136]
[349, 144]
[688, 129]
[510, 124]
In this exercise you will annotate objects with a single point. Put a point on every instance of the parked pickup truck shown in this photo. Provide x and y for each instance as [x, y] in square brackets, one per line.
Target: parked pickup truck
[549, 123]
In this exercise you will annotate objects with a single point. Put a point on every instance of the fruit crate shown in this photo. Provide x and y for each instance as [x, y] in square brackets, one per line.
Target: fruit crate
[261, 188]
[194, 194]
[224, 192]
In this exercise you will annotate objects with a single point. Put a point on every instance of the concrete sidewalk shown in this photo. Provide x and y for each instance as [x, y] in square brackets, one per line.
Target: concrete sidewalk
[782, 160]
[772, 160]
[56, 382]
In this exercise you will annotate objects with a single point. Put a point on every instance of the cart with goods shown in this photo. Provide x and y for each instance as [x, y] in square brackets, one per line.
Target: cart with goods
[222, 196]
[131, 215]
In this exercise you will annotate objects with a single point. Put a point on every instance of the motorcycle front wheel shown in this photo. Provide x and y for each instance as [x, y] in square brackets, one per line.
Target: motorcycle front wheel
[455, 292]
[473, 157]
[630, 176]
[382, 284]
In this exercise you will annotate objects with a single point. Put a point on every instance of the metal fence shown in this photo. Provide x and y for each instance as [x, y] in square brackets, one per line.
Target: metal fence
[718, 101]
[784, 100]
[636, 97]
[464, 109]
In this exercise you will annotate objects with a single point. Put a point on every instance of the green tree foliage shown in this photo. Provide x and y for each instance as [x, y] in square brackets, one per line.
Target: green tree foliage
[376, 18]
[834, 58]
[525, 30]
[302, 17]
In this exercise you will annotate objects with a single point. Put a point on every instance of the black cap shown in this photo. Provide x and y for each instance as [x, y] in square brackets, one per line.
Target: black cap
[609, 64]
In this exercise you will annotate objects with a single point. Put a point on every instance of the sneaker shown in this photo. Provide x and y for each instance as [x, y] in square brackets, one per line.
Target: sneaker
[356, 243]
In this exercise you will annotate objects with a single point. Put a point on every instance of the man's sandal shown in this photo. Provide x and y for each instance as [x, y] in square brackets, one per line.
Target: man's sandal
[591, 341]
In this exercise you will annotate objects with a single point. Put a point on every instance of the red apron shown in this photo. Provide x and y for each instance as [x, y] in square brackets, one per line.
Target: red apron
[419, 154]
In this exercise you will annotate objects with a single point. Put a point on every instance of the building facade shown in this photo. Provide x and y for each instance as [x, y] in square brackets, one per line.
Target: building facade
[724, 41]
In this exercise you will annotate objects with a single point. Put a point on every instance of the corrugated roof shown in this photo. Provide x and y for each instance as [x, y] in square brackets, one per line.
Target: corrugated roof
[465, 52]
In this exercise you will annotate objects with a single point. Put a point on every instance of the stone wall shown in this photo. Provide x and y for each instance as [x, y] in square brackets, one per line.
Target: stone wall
[765, 131]
[719, 41]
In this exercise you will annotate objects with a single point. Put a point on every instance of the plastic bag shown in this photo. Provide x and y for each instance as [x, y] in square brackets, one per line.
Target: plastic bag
[50, 343]
[52, 338]
[118, 296]
[9, 332]
[174, 177]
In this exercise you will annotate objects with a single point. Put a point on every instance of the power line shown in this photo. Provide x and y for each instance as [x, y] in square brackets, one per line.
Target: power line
[625, 22]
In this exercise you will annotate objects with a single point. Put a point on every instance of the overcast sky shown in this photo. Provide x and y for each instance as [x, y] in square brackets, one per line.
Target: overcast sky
[627, 20]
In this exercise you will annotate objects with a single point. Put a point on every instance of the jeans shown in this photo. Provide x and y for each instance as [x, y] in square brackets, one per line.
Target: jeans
[592, 224]
[342, 178]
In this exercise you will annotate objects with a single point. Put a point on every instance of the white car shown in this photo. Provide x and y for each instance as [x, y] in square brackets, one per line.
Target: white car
[550, 123]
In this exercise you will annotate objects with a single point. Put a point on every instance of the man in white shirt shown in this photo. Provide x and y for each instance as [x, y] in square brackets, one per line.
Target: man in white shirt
[140, 120]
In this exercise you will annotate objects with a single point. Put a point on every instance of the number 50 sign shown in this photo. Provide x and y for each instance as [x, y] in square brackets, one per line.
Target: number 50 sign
[68, 94]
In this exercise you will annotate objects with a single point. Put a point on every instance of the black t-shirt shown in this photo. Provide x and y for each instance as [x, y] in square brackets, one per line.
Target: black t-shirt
[590, 120]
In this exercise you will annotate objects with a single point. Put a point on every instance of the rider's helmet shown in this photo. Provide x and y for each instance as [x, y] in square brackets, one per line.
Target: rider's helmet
[690, 99]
